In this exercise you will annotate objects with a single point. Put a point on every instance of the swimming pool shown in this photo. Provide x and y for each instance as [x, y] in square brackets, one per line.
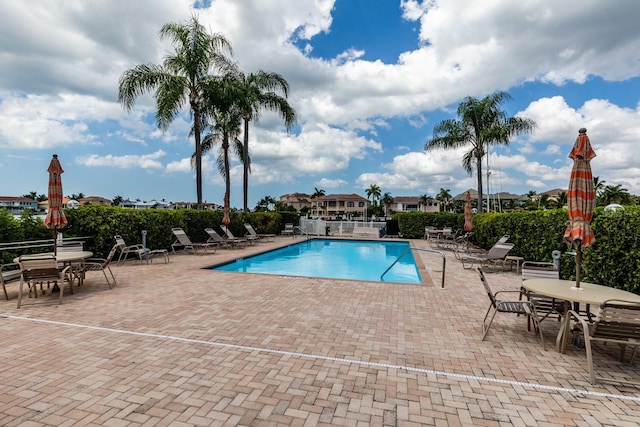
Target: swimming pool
[333, 258]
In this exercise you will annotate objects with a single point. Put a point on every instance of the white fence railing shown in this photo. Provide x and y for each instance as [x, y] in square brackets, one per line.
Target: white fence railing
[318, 227]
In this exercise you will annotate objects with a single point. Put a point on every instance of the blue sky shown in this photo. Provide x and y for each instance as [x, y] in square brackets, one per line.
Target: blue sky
[369, 81]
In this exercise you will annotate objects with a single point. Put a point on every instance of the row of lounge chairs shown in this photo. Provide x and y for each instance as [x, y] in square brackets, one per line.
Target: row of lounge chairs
[227, 240]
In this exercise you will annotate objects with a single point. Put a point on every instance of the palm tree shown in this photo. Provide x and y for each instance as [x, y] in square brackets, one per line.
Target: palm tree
[598, 187]
[615, 194]
[444, 196]
[261, 91]
[562, 199]
[317, 192]
[480, 123]
[386, 200]
[221, 114]
[179, 79]
[373, 192]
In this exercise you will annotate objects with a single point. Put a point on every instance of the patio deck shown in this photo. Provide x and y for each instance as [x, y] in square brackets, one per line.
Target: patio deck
[173, 344]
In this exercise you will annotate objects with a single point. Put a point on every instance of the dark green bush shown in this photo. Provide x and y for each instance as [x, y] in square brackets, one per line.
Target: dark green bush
[613, 260]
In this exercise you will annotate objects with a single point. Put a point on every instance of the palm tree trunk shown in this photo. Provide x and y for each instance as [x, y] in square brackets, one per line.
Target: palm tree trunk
[245, 160]
[479, 171]
[196, 130]
[227, 179]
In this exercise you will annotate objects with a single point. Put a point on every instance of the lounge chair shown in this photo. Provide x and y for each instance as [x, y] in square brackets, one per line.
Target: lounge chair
[229, 237]
[125, 250]
[37, 269]
[260, 236]
[288, 229]
[183, 241]
[617, 322]
[216, 239]
[495, 256]
[513, 306]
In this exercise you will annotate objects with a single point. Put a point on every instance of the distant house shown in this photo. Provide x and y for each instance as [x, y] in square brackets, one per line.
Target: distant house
[94, 200]
[193, 205]
[296, 200]
[15, 205]
[553, 194]
[67, 203]
[153, 204]
[334, 205]
[413, 203]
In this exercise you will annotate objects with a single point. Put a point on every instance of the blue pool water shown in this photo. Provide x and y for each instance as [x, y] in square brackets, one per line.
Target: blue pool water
[337, 259]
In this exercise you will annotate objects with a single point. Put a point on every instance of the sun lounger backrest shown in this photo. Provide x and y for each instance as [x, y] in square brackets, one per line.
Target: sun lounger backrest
[181, 236]
[499, 251]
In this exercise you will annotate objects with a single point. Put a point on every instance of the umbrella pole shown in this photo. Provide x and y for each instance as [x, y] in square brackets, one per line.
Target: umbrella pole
[578, 264]
[55, 242]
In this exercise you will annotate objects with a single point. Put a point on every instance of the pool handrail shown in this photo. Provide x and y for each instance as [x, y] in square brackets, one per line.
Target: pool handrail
[301, 231]
[444, 261]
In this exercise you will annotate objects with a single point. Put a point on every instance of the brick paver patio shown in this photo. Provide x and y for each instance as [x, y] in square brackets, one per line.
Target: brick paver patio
[177, 345]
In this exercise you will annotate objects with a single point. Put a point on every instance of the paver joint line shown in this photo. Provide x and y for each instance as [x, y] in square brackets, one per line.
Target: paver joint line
[328, 358]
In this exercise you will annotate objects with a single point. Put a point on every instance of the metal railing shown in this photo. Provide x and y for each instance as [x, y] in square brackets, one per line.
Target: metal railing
[302, 232]
[406, 251]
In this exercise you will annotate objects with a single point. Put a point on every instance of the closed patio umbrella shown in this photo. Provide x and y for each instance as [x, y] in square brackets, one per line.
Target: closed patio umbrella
[468, 213]
[580, 199]
[225, 217]
[55, 216]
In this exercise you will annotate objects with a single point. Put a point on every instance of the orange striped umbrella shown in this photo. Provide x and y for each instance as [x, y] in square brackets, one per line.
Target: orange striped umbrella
[55, 216]
[468, 213]
[580, 199]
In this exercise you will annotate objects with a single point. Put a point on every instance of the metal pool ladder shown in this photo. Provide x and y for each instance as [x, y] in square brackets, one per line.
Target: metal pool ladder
[406, 251]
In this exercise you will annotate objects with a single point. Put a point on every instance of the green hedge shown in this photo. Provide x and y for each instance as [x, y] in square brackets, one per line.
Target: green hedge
[614, 259]
[101, 223]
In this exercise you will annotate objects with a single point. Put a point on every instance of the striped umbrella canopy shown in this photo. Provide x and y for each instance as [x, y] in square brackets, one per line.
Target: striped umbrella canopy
[55, 216]
[468, 213]
[580, 199]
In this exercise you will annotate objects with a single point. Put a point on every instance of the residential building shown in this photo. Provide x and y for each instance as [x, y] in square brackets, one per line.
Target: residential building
[152, 204]
[296, 200]
[338, 205]
[94, 200]
[193, 205]
[15, 205]
[413, 203]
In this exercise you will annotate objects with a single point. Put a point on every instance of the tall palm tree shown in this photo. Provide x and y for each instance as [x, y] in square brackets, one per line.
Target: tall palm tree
[179, 79]
[258, 91]
[480, 123]
[374, 193]
[221, 114]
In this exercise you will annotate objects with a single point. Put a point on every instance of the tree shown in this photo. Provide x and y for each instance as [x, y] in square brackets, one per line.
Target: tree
[386, 200]
[615, 194]
[257, 92]
[117, 201]
[373, 192]
[444, 196]
[317, 193]
[480, 123]
[179, 79]
[76, 196]
[562, 199]
[598, 185]
[221, 114]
